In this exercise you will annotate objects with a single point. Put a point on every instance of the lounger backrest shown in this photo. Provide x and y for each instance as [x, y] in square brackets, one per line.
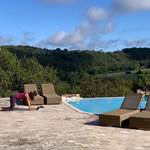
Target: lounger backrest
[131, 101]
[48, 89]
[148, 103]
[30, 88]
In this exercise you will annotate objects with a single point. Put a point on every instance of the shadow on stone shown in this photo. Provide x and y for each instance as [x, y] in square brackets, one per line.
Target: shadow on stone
[93, 123]
[15, 109]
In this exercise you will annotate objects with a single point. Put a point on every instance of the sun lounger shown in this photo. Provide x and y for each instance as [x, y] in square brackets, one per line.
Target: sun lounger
[128, 107]
[48, 92]
[141, 119]
[37, 100]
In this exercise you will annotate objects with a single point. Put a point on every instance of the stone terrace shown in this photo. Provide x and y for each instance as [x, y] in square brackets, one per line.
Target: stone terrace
[61, 128]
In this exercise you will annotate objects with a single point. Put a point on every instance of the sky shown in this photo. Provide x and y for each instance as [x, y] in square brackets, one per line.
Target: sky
[106, 25]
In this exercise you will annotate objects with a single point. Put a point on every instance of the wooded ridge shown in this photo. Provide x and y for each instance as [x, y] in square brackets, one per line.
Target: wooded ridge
[90, 73]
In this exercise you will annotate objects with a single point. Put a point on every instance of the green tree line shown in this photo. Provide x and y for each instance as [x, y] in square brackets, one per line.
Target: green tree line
[74, 71]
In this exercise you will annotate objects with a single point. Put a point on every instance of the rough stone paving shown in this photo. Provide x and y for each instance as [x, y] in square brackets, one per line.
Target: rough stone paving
[58, 127]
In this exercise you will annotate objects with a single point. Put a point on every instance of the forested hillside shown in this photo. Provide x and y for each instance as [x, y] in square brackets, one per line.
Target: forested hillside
[84, 72]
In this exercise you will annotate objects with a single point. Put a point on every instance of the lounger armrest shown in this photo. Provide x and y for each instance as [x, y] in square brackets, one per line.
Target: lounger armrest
[49, 95]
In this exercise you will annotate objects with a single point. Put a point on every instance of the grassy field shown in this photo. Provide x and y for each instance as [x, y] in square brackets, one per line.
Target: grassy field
[132, 75]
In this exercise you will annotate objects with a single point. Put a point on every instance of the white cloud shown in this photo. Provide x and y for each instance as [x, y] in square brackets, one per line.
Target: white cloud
[130, 5]
[77, 36]
[98, 21]
[27, 37]
[65, 39]
[97, 14]
[5, 40]
[95, 44]
[95, 24]
[136, 43]
[57, 38]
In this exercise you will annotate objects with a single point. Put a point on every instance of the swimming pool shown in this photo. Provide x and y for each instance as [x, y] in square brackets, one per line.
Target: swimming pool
[98, 105]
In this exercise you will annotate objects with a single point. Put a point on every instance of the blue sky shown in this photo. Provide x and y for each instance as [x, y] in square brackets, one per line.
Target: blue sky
[76, 24]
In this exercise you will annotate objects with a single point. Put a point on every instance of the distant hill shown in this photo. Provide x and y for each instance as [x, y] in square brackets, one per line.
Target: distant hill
[93, 62]
[71, 70]
[142, 55]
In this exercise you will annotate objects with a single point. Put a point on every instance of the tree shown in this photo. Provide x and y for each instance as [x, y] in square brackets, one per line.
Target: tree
[144, 80]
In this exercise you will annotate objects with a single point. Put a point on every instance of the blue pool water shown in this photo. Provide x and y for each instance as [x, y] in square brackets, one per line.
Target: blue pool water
[99, 105]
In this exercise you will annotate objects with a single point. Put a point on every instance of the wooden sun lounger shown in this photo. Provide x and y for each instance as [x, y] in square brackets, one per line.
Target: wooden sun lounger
[141, 119]
[38, 100]
[128, 107]
[48, 92]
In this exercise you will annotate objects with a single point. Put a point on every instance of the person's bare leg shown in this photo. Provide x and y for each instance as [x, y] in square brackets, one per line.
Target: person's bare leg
[28, 100]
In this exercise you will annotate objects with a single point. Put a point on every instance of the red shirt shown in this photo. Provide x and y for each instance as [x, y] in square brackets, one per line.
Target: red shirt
[21, 96]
